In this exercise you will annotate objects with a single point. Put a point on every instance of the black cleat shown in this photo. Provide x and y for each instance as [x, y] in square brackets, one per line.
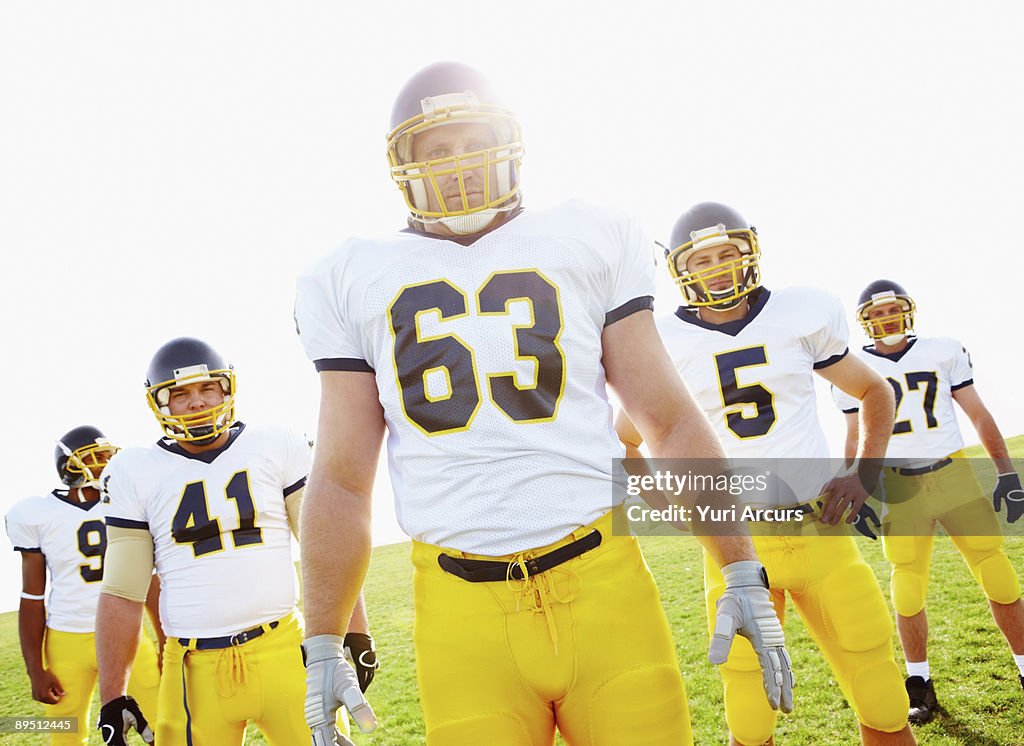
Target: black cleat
[923, 702]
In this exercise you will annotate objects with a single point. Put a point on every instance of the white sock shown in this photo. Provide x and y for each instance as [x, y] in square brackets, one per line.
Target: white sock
[921, 669]
[1019, 660]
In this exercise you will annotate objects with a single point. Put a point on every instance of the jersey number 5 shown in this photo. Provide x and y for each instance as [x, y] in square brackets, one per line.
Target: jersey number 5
[418, 356]
[738, 398]
[192, 523]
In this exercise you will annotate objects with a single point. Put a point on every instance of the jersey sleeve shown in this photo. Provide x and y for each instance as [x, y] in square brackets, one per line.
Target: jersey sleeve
[326, 316]
[631, 275]
[296, 462]
[830, 341]
[846, 403]
[961, 368]
[121, 503]
[22, 530]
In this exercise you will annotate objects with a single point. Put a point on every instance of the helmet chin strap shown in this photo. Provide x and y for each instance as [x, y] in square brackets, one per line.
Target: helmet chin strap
[893, 339]
[464, 225]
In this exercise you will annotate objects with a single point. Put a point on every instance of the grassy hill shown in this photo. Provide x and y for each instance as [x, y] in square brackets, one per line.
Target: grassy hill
[974, 674]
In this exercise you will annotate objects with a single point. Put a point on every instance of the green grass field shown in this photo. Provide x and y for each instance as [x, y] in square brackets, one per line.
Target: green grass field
[971, 665]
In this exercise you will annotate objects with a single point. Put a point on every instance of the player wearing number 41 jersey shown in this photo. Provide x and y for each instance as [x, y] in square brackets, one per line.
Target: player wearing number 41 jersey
[930, 481]
[63, 533]
[213, 506]
[750, 355]
[482, 338]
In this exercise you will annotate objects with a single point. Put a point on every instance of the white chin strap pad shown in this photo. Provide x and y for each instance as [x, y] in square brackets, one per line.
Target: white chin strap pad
[892, 339]
[463, 225]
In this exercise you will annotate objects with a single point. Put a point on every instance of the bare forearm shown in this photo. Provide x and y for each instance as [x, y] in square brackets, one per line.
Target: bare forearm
[878, 408]
[993, 442]
[359, 621]
[335, 554]
[695, 438]
[31, 629]
[118, 625]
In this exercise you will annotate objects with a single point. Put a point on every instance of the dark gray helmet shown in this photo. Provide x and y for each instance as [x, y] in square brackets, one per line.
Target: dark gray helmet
[81, 455]
[185, 361]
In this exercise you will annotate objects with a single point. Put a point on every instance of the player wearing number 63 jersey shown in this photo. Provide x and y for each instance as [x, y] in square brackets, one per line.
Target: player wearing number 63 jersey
[213, 507]
[63, 533]
[929, 480]
[482, 338]
[749, 355]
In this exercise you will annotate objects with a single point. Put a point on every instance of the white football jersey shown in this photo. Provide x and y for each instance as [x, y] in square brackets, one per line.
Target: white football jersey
[487, 357]
[72, 538]
[754, 377]
[220, 530]
[923, 376]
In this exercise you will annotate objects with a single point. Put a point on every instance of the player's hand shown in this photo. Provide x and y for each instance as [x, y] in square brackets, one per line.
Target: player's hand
[842, 494]
[746, 607]
[360, 652]
[46, 687]
[1008, 488]
[332, 683]
[117, 717]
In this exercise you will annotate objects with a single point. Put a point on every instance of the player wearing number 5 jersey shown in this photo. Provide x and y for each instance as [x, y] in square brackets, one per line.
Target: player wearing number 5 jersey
[213, 507]
[63, 533]
[749, 355]
[930, 481]
[481, 339]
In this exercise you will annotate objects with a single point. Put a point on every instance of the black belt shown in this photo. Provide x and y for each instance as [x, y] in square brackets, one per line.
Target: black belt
[228, 641]
[923, 469]
[490, 571]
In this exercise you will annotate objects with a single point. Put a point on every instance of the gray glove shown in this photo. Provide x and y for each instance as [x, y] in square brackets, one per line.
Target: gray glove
[746, 607]
[332, 683]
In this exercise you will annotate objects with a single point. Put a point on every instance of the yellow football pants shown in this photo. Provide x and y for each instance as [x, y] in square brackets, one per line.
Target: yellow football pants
[71, 657]
[208, 696]
[584, 647]
[839, 599]
[953, 497]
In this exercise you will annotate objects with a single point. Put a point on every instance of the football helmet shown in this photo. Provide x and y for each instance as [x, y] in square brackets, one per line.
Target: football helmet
[180, 362]
[901, 323]
[81, 455]
[451, 93]
[703, 226]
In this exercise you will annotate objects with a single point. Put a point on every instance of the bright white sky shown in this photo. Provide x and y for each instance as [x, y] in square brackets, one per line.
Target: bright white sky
[168, 168]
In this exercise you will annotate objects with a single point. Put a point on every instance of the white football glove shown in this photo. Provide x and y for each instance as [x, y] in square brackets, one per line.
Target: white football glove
[746, 607]
[332, 683]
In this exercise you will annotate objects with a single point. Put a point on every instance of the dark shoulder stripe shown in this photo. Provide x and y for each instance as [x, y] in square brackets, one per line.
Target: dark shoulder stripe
[851, 411]
[295, 487]
[29, 550]
[968, 382]
[125, 523]
[832, 360]
[342, 363]
[643, 303]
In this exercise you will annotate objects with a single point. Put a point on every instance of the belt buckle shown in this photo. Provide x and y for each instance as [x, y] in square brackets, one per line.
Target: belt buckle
[239, 638]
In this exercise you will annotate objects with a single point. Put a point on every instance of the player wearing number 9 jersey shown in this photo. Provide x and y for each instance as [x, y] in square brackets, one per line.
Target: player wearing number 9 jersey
[749, 355]
[213, 506]
[63, 533]
[482, 338]
[929, 480]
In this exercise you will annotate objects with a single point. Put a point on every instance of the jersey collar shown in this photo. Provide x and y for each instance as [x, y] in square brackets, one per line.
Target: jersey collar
[470, 239]
[64, 497]
[894, 356]
[732, 328]
[207, 457]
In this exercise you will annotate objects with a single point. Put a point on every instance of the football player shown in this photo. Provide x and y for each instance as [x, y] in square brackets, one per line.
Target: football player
[213, 506]
[749, 355]
[63, 533]
[931, 480]
[481, 338]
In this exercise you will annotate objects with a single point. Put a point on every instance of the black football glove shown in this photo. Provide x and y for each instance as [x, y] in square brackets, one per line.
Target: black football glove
[117, 717]
[1008, 488]
[865, 517]
[363, 656]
